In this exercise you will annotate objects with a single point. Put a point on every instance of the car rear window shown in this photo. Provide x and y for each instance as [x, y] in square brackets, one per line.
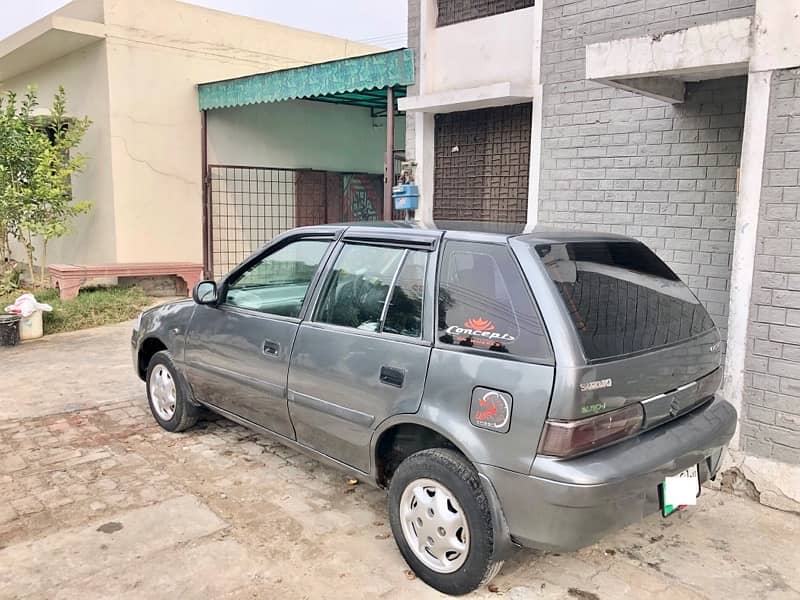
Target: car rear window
[621, 297]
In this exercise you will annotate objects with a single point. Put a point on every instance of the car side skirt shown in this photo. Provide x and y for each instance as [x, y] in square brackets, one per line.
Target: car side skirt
[323, 458]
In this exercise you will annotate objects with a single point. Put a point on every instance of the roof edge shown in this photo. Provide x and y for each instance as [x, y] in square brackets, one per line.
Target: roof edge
[352, 74]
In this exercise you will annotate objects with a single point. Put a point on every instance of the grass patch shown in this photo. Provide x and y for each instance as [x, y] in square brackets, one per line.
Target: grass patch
[93, 307]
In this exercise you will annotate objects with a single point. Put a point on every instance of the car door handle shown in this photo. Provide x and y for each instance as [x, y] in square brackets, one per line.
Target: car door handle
[271, 348]
[392, 376]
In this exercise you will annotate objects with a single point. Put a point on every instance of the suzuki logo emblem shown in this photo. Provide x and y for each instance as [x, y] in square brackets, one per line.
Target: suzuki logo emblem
[674, 407]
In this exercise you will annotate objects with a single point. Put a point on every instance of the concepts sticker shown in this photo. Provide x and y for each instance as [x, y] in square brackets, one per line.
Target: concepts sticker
[490, 409]
[479, 331]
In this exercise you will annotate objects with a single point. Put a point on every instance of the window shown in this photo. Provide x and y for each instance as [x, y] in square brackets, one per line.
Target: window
[361, 281]
[621, 297]
[278, 283]
[456, 11]
[404, 315]
[484, 303]
[481, 165]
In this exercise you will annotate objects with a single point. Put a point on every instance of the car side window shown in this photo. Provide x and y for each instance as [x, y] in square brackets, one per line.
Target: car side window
[404, 315]
[485, 304]
[278, 283]
[361, 281]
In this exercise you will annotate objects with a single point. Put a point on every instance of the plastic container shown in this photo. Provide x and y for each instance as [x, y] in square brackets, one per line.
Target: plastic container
[405, 196]
[9, 330]
[30, 328]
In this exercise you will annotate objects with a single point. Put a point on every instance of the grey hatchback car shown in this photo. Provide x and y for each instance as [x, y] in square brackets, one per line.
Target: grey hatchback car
[539, 389]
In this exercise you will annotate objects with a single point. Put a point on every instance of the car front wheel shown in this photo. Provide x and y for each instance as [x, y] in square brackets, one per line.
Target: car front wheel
[441, 521]
[167, 395]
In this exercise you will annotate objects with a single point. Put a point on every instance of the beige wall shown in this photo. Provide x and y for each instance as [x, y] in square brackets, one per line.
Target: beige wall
[300, 134]
[89, 10]
[84, 75]
[158, 50]
[139, 88]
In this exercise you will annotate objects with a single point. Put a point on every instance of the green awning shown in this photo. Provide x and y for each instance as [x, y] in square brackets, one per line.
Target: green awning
[360, 80]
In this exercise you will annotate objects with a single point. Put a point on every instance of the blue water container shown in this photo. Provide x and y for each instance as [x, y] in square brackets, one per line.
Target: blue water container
[405, 196]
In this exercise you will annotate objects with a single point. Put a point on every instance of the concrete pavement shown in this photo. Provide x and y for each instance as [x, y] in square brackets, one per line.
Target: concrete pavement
[97, 502]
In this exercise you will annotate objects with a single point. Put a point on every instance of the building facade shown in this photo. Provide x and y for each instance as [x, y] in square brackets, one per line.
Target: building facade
[133, 69]
[676, 122]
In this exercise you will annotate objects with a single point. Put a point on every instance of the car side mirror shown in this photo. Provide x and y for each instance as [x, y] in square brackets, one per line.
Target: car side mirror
[205, 292]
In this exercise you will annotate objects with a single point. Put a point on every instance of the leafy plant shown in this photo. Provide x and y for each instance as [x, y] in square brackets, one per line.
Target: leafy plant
[9, 279]
[38, 158]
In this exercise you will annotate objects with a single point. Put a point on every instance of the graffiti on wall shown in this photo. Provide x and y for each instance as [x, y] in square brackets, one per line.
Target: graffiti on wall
[363, 197]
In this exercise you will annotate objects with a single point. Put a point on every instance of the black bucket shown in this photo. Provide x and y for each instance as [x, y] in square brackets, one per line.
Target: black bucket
[9, 330]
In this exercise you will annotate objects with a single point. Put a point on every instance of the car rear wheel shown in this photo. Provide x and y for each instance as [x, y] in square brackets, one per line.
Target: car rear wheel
[167, 394]
[441, 521]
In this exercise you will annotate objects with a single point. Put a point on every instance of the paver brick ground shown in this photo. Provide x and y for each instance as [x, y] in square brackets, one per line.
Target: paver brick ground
[96, 501]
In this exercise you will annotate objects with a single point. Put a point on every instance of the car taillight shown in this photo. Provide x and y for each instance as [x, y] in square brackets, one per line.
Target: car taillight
[568, 438]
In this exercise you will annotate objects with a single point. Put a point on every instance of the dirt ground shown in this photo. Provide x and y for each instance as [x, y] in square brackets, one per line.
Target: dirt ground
[97, 502]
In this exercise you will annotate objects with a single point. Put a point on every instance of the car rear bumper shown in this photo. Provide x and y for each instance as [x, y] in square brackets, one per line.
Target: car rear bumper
[569, 504]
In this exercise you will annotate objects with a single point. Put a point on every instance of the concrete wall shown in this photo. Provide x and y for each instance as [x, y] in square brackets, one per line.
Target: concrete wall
[139, 88]
[775, 38]
[771, 415]
[158, 50]
[89, 10]
[84, 75]
[300, 134]
[615, 161]
[465, 55]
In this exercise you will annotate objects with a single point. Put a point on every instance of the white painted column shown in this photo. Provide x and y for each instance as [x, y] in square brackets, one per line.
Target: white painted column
[748, 201]
[535, 160]
[536, 121]
[424, 132]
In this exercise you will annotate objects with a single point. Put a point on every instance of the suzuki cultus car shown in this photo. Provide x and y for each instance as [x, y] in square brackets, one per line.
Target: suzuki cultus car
[540, 389]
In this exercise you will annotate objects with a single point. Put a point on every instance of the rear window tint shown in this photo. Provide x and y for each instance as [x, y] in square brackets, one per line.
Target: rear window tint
[485, 304]
[622, 298]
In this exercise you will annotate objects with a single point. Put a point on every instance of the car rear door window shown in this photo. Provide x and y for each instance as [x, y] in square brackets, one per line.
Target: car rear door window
[363, 278]
[484, 303]
[278, 283]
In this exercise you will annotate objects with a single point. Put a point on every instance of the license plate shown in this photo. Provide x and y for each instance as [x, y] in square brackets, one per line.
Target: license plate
[680, 491]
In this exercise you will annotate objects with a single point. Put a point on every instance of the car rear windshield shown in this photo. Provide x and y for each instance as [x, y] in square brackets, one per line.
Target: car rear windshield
[621, 297]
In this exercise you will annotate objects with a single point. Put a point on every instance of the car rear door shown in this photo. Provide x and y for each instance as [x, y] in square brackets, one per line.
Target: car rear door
[363, 354]
[492, 368]
[237, 351]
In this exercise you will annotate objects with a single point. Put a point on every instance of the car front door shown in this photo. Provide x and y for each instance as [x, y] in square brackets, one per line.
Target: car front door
[237, 351]
[363, 354]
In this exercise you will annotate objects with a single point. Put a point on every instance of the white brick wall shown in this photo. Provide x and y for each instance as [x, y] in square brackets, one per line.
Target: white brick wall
[771, 419]
[619, 162]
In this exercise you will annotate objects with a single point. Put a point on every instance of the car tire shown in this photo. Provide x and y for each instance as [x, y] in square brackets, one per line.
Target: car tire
[424, 482]
[168, 396]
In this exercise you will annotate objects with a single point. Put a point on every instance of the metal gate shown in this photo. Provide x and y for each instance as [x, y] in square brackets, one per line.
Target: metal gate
[248, 206]
[481, 165]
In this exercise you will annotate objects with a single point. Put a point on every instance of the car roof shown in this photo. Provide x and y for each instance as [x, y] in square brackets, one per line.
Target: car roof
[490, 232]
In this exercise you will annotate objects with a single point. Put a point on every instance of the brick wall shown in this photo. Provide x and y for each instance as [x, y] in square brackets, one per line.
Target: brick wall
[615, 161]
[771, 419]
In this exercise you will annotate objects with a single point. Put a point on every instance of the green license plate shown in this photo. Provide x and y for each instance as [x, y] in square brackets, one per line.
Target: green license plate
[679, 491]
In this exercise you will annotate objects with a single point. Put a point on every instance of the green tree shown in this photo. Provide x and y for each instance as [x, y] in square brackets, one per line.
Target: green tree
[37, 162]
[17, 163]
